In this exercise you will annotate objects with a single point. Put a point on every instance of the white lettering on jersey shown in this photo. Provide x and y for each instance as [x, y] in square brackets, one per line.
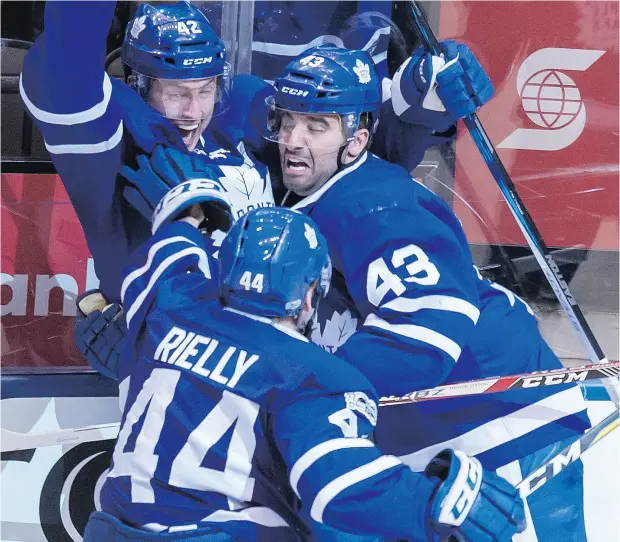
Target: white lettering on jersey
[380, 279]
[191, 351]
[187, 470]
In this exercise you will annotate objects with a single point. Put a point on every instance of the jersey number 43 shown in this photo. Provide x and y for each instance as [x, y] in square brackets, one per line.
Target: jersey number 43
[380, 279]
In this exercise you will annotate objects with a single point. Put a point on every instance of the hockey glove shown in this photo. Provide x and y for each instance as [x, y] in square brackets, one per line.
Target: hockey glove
[472, 503]
[100, 332]
[165, 169]
[208, 194]
[437, 91]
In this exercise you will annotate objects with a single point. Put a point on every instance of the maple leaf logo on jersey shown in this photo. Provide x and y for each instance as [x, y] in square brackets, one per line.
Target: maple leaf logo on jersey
[362, 70]
[336, 331]
[243, 179]
[138, 26]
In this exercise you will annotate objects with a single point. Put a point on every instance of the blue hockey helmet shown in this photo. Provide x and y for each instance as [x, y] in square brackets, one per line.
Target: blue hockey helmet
[327, 79]
[268, 261]
[173, 41]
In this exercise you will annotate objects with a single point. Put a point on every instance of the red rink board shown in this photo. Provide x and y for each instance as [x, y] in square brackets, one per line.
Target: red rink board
[44, 264]
[571, 192]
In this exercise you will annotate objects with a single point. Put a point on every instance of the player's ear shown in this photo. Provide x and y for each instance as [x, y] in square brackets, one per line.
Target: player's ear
[358, 144]
[308, 299]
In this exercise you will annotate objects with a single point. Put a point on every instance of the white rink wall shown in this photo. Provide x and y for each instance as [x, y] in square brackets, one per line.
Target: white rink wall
[22, 482]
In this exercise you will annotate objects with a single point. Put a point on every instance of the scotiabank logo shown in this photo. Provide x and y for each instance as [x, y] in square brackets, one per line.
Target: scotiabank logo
[44, 285]
[551, 99]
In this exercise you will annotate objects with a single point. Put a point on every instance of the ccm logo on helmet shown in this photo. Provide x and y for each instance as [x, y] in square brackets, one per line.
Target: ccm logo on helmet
[197, 61]
[294, 91]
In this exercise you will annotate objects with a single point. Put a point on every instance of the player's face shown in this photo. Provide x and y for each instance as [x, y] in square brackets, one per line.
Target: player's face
[189, 104]
[309, 146]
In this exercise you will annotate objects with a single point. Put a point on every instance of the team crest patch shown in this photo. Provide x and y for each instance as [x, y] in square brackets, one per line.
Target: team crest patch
[138, 26]
[362, 70]
[360, 402]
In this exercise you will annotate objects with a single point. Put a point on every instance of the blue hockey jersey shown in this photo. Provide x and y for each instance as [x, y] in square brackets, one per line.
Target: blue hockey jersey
[232, 422]
[92, 125]
[405, 280]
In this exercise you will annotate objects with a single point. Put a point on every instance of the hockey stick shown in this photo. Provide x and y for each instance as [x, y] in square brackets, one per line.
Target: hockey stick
[517, 207]
[11, 441]
[539, 477]
[512, 382]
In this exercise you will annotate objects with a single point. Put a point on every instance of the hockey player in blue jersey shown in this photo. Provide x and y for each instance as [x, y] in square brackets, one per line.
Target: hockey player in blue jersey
[98, 130]
[405, 279]
[233, 421]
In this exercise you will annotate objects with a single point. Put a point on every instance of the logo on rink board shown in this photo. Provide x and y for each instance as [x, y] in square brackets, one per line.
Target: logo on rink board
[551, 99]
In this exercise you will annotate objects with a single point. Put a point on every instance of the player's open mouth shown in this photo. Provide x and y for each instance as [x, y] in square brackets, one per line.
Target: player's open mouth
[295, 164]
[187, 130]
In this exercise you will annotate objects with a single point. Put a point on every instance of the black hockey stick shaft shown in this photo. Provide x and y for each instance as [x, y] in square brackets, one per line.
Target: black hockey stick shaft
[540, 476]
[517, 207]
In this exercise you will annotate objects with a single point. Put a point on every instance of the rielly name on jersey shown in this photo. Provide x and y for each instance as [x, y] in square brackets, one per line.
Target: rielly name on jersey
[231, 394]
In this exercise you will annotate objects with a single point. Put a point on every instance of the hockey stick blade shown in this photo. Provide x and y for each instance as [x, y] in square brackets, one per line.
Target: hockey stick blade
[518, 210]
[498, 384]
[11, 441]
[538, 478]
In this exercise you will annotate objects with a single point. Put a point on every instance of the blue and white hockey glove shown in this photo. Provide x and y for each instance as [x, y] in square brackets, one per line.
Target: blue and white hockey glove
[206, 193]
[165, 169]
[100, 330]
[472, 503]
[437, 91]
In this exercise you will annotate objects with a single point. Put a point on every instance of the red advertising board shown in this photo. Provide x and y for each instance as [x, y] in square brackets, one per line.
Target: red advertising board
[45, 264]
[554, 119]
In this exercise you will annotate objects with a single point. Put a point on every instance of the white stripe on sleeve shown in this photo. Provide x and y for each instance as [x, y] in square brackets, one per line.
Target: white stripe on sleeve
[499, 431]
[436, 302]
[331, 490]
[313, 454]
[260, 515]
[399, 103]
[69, 119]
[149, 260]
[203, 265]
[419, 333]
[88, 148]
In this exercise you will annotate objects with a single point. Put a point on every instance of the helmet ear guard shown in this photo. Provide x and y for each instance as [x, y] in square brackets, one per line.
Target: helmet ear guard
[140, 83]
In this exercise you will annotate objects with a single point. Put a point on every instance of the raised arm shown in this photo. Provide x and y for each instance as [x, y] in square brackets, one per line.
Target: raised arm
[67, 92]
